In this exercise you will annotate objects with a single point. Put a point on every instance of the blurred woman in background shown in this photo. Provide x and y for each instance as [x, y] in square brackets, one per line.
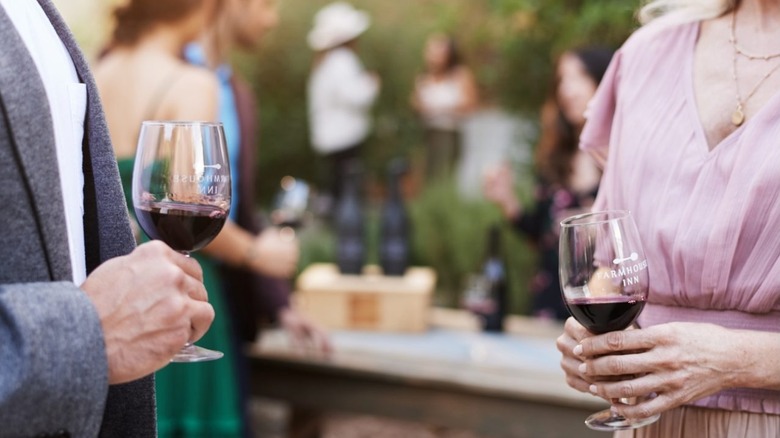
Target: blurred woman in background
[141, 76]
[443, 94]
[566, 179]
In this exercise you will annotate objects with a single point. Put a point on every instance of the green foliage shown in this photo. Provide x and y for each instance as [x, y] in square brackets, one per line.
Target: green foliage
[450, 235]
[510, 44]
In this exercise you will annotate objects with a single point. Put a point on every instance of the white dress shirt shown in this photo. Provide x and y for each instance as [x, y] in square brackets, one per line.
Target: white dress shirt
[340, 97]
[68, 103]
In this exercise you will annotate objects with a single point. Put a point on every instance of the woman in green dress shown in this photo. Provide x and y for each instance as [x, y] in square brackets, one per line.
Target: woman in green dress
[142, 77]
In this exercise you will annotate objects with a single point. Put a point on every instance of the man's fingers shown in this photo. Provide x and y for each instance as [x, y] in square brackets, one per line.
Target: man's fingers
[194, 288]
[189, 265]
[202, 316]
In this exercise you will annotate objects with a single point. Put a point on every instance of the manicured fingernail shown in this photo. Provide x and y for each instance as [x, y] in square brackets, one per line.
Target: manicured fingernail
[583, 368]
[577, 350]
[593, 389]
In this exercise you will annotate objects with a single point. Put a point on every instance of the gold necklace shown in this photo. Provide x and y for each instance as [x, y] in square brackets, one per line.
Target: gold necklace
[738, 116]
[743, 52]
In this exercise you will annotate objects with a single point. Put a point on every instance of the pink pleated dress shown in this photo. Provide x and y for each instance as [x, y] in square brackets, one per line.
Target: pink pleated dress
[709, 219]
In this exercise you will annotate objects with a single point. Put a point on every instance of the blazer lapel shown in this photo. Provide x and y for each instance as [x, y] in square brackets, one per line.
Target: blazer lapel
[32, 135]
[106, 224]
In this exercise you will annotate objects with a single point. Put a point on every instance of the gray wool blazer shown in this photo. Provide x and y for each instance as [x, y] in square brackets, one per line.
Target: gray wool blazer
[53, 370]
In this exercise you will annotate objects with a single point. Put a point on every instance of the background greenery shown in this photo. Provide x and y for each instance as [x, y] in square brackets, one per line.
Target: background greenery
[511, 46]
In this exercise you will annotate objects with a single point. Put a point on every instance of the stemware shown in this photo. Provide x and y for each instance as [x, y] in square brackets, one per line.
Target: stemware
[604, 280]
[181, 191]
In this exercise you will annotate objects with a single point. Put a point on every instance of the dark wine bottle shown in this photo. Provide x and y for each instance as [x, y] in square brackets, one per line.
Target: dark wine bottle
[394, 228]
[494, 272]
[350, 224]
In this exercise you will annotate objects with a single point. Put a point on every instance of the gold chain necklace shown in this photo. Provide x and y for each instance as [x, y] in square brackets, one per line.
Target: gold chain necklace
[738, 116]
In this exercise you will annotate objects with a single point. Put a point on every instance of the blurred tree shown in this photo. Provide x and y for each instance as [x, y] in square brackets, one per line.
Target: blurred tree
[511, 45]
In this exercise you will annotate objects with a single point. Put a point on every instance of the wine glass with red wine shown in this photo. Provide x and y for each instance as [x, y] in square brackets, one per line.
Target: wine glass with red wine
[181, 191]
[604, 279]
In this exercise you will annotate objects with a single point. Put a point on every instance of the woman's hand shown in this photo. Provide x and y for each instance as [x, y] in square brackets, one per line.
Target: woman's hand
[573, 334]
[665, 365]
[274, 253]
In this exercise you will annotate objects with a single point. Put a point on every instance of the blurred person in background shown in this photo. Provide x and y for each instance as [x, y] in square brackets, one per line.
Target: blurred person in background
[686, 123]
[85, 316]
[253, 294]
[141, 76]
[566, 178]
[444, 94]
[340, 92]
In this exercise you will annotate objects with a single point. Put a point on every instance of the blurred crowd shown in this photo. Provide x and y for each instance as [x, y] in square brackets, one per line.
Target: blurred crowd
[691, 159]
[248, 267]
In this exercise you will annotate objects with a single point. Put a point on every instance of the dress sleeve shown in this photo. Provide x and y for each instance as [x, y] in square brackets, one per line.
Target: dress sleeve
[596, 135]
[600, 114]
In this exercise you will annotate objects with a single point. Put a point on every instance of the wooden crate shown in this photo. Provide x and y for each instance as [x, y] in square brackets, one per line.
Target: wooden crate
[366, 302]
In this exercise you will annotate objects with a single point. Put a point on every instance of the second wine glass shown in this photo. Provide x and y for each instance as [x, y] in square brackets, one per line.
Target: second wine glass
[181, 191]
[605, 282]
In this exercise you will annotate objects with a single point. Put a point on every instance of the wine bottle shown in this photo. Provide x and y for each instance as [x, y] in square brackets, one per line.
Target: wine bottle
[394, 228]
[494, 272]
[350, 224]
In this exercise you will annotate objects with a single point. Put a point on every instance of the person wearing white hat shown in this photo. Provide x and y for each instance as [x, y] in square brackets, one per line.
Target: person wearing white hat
[340, 91]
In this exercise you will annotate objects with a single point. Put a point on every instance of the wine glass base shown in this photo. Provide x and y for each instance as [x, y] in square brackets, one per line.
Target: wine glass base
[193, 353]
[607, 421]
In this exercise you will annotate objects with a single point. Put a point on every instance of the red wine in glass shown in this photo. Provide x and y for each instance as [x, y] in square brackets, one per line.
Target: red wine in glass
[181, 191]
[605, 281]
[184, 227]
[602, 315]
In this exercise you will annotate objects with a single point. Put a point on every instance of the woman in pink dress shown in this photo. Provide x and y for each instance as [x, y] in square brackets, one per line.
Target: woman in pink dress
[687, 125]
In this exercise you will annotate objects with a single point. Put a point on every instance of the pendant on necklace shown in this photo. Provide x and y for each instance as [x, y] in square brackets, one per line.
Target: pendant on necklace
[738, 117]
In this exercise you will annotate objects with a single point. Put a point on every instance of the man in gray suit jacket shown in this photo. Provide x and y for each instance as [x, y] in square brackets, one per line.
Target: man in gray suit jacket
[76, 360]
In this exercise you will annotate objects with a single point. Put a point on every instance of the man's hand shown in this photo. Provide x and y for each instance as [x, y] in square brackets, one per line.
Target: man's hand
[150, 303]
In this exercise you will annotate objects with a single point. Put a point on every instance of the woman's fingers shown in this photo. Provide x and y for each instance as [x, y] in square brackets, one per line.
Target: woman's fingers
[620, 365]
[576, 330]
[645, 407]
[628, 388]
[574, 378]
[618, 342]
[570, 362]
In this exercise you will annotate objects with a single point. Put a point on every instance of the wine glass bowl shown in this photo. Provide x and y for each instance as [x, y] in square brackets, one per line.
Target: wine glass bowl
[181, 191]
[605, 281]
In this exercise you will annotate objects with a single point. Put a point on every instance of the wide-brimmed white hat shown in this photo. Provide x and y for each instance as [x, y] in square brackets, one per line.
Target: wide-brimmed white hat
[336, 24]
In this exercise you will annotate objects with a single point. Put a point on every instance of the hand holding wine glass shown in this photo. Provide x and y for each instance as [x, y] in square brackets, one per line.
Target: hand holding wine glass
[181, 191]
[604, 279]
[150, 302]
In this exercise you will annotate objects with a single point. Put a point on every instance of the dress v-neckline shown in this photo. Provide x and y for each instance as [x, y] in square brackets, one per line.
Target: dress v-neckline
[701, 135]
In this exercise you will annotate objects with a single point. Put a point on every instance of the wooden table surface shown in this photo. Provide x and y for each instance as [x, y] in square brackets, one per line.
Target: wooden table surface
[451, 375]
